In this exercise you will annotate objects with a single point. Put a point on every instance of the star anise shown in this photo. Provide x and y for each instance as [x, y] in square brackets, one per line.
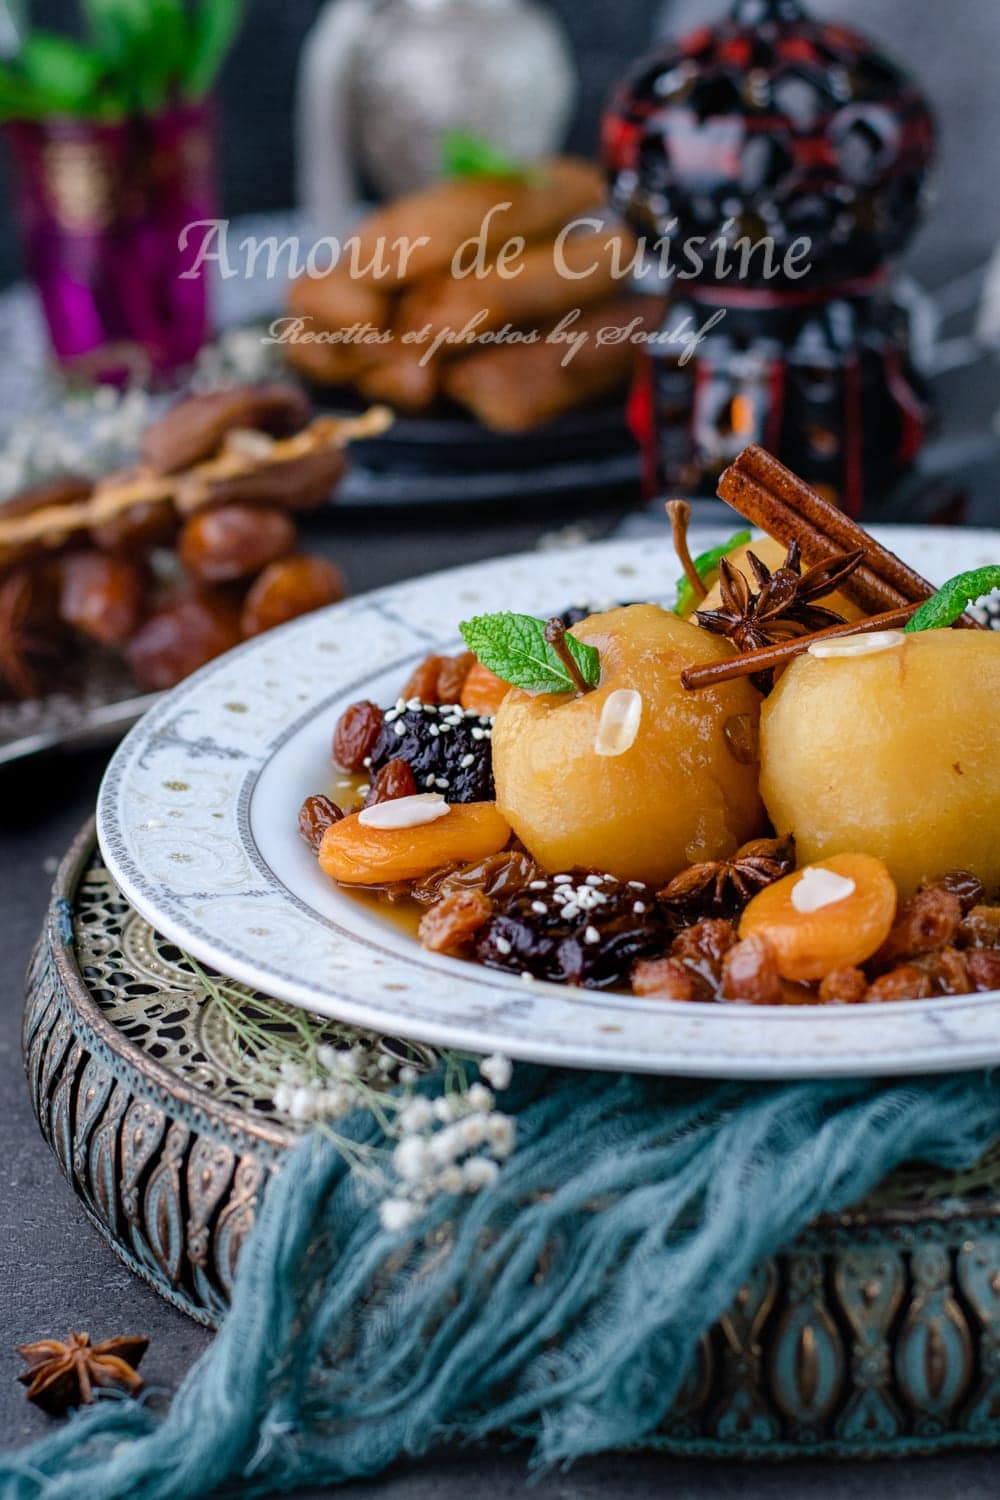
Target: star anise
[783, 604]
[18, 640]
[61, 1375]
[722, 887]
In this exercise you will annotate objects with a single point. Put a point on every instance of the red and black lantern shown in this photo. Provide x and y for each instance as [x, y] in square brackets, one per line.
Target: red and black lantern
[774, 165]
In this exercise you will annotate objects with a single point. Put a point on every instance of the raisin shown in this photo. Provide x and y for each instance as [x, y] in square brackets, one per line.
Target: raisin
[983, 967]
[354, 737]
[750, 972]
[968, 888]
[703, 946]
[451, 676]
[905, 983]
[574, 928]
[667, 979]
[422, 681]
[439, 679]
[947, 970]
[452, 922]
[447, 749]
[980, 928]
[925, 923]
[316, 815]
[394, 780]
[497, 875]
[843, 987]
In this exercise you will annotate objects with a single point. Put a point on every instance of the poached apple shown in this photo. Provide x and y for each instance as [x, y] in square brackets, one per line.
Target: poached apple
[646, 784]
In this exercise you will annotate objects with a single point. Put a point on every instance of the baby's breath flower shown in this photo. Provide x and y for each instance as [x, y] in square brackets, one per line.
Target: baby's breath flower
[397, 1213]
[410, 1158]
[479, 1097]
[496, 1070]
[417, 1115]
[500, 1134]
[479, 1172]
[450, 1179]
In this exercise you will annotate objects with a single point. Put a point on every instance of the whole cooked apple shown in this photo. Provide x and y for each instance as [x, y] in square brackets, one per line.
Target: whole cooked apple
[639, 777]
[894, 753]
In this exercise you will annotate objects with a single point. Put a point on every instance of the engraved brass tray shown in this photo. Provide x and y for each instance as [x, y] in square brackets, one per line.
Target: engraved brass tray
[876, 1333]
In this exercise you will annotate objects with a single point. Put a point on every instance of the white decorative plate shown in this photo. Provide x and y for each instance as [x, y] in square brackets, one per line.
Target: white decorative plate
[197, 822]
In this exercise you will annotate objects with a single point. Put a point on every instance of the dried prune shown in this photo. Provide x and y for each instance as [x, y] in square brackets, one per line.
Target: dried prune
[447, 749]
[315, 816]
[394, 780]
[574, 928]
[354, 738]
[235, 541]
[290, 587]
[451, 923]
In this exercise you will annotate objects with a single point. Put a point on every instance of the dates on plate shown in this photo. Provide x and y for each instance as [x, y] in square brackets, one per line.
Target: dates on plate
[290, 587]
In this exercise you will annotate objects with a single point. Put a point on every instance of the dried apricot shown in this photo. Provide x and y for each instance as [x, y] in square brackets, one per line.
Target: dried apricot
[837, 930]
[358, 854]
[482, 691]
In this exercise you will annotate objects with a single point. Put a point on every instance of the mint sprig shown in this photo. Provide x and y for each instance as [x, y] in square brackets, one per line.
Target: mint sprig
[515, 649]
[705, 565]
[467, 155]
[954, 598]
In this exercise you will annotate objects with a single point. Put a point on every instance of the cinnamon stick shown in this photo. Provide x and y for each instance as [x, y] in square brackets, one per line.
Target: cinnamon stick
[780, 654]
[770, 495]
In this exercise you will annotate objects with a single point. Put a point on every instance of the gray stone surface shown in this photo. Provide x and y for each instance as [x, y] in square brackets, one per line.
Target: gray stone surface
[57, 1274]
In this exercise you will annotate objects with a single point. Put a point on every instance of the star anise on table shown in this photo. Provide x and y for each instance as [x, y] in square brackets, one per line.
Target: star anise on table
[783, 605]
[18, 641]
[722, 887]
[61, 1375]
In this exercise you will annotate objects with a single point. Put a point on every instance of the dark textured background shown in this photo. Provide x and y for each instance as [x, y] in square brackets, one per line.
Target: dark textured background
[952, 47]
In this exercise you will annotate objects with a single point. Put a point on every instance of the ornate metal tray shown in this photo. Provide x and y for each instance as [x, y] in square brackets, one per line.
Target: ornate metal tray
[876, 1333]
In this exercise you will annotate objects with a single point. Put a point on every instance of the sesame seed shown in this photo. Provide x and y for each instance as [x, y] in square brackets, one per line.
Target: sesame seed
[435, 730]
[562, 880]
[591, 935]
[539, 907]
[503, 946]
[364, 790]
[400, 705]
[413, 704]
[639, 907]
[392, 715]
[367, 762]
[430, 781]
[399, 728]
[429, 708]
[479, 734]
[443, 781]
[534, 885]
[637, 885]
[466, 762]
[595, 880]
[569, 911]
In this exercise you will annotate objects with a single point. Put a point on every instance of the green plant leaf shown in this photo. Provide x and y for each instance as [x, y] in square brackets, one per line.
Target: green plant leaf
[952, 600]
[19, 100]
[65, 75]
[514, 647]
[466, 155]
[706, 563]
[213, 27]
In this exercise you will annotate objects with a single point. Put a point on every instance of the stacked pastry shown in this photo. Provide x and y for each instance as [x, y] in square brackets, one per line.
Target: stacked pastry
[484, 290]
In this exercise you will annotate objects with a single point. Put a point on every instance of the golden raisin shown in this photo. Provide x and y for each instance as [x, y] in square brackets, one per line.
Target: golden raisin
[354, 737]
[983, 967]
[451, 676]
[750, 972]
[905, 983]
[968, 888]
[422, 681]
[315, 816]
[981, 928]
[926, 922]
[843, 987]
[450, 923]
[667, 979]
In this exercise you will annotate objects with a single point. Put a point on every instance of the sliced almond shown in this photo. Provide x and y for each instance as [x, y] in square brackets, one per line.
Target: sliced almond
[405, 812]
[619, 724]
[816, 888]
[859, 645]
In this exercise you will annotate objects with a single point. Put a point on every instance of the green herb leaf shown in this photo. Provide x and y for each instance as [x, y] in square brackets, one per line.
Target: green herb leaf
[213, 25]
[515, 648]
[952, 600]
[706, 563]
[465, 155]
[65, 75]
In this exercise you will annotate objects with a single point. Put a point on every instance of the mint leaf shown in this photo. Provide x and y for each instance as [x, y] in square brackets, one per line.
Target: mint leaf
[952, 600]
[514, 647]
[705, 564]
[465, 155]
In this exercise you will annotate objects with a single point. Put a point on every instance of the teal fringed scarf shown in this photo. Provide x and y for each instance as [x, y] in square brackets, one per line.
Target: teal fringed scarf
[562, 1304]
